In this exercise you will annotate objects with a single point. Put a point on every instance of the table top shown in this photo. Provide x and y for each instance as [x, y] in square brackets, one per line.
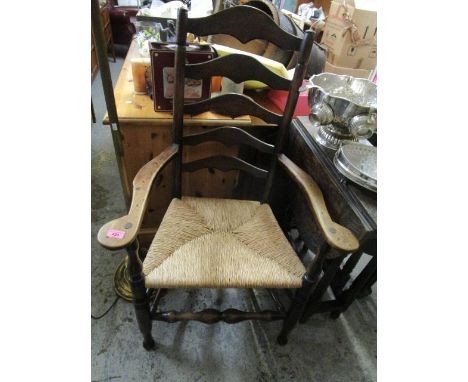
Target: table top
[363, 200]
[139, 109]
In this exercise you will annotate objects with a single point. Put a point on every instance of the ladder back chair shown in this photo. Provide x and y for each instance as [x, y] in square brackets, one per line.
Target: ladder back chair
[225, 243]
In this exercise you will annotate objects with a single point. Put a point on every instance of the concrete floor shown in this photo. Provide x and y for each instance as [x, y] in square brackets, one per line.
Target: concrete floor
[320, 350]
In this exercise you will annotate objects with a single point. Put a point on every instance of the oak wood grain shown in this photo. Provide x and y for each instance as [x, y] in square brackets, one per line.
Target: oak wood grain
[337, 236]
[130, 223]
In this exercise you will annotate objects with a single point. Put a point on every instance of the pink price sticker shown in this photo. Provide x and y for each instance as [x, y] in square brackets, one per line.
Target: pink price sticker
[115, 234]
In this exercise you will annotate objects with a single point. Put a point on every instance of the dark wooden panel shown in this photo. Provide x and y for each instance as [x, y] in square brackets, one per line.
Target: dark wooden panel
[244, 23]
[233, 105]
[228, 135]
[225, 163]
[228, 66]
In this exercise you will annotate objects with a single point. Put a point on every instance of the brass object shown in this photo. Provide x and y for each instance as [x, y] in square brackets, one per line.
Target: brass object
[121, 282]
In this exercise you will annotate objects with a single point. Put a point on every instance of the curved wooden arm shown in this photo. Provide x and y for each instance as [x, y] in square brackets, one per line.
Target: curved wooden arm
[129, 224]
[337, 236]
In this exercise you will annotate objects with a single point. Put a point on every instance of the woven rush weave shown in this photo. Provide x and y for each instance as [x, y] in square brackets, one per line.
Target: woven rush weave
[221, 243]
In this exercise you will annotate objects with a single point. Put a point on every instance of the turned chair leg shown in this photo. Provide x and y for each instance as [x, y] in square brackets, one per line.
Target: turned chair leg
[297, 308]
[325, 281]
[309, 282]
[140, 296]
[362, 280]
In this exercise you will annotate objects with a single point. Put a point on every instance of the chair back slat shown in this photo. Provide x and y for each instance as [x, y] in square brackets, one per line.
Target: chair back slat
[238, 21]
[229, 136]
[225, 163]
[299, 73]
[245, 23]
[239, 68]
[233, 105]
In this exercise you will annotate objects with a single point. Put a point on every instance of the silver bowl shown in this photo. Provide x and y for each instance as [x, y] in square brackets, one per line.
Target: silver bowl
[345, 107]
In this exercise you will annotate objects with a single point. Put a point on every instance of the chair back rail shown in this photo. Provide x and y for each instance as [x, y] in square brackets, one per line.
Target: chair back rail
[233, 105]
[238, 22]
[299, 74]
[178, 100]
[245, 23]
[228, 135]
[238, 68]
[225, 163]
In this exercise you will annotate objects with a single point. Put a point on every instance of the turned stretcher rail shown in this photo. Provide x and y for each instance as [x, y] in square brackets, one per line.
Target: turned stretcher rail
[212, 316]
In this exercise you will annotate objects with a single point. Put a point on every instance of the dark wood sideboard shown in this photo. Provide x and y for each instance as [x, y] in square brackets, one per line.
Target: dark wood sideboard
[349, 205]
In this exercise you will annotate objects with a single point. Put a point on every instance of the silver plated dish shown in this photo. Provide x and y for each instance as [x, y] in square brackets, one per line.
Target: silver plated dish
[358, 163]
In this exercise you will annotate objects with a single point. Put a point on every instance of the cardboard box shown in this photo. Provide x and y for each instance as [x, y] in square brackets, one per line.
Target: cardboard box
[350, 34]
[359, 73]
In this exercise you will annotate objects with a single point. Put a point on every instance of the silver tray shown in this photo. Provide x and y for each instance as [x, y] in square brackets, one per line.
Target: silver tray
[358, 162]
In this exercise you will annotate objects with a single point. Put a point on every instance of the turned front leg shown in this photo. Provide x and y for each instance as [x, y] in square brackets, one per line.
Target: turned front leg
[316, 297]
[140, 297]
[301, 297]
[297, 308]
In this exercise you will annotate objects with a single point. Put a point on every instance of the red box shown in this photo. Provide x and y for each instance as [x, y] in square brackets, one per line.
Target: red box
[162, 63]
[279, 98]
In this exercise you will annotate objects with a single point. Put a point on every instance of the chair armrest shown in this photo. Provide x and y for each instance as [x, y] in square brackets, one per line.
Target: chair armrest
[129, 224]
[337, 236]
